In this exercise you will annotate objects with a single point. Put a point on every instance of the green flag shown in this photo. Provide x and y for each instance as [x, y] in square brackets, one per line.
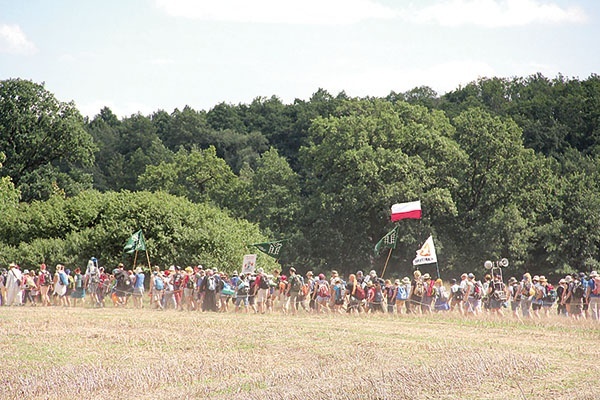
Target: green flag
[388, 241]
[135, 243]
[272, 249]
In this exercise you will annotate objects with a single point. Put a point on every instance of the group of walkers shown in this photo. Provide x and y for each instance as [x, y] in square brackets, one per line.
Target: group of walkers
[197, 288]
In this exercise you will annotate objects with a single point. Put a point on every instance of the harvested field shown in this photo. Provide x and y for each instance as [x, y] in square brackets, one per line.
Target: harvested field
[124, 353]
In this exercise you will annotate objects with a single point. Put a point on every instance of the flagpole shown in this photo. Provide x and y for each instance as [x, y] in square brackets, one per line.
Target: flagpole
[135, 259]
[386, 262]
[437, 267]
[148, 258]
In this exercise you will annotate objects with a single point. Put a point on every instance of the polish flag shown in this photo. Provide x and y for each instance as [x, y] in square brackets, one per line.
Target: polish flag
[406, 210]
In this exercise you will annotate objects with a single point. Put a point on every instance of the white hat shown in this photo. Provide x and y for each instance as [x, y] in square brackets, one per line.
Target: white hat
[172, 268]
[593, 274]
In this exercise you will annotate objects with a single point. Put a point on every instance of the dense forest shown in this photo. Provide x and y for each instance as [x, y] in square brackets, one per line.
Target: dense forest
[503, 168]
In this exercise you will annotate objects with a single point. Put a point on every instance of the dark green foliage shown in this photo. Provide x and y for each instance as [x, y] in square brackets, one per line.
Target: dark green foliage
[72, 230]
[43, 139]
[503, 168]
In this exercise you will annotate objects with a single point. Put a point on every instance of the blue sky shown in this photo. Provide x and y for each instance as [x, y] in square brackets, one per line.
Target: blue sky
[148, 55]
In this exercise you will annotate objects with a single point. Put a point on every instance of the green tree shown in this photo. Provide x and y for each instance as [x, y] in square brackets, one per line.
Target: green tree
[362, 161]
[71, 230]
[502, 191]
[198, 175]
[44, 140]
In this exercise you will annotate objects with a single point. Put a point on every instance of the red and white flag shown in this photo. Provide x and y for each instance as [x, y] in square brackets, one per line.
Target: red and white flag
[406, 210]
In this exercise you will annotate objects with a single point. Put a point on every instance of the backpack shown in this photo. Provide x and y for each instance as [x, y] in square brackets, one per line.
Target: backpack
[305, 289]
[297, 283]
[429, 289]
[211, 283]
[227, 289]
[359, 293]
[323, 290]
[459, 294]
[527, 290]
[539, 292]
[551, 295]
[419, 289]
[46, 278]
[159, 284]
[63, 279]
[578, 291]
[177, 280]
[499, 291]
[71, 282]
[339, 293]
[78, 281]
[401, 294]
[190, 283]
[243, 288]
[264, 283]
[596, 281]
[477, 289]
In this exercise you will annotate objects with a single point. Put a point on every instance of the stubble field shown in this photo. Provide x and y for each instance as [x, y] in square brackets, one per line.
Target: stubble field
[145, 354]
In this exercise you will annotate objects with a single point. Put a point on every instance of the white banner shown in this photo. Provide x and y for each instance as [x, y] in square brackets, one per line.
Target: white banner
[426, 254]
[249, 264]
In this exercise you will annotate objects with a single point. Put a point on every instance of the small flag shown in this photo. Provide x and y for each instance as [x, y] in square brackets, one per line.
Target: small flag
[135, 243]
[388, 241]
[426, 254]
[406, 210]
[272, 249]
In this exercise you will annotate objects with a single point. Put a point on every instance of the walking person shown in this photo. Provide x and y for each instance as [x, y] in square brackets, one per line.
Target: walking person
[417, 289]
[593, 296]
[44, 284]
[138, 288]
[78, 292]
[14, 278]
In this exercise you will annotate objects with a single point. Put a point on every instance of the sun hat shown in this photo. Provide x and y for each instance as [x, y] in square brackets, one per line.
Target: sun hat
[471, 276]
[535, 278]
[172, 268]
[512, 280]
[426, 276]
[189, 269]
[138, 270]
[397, 282]
[593, 274]
[406, 280]
[292, 269]
[543, 278]
[309, 273]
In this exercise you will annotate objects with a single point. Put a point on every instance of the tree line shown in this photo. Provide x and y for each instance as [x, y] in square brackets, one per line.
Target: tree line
[503, 168]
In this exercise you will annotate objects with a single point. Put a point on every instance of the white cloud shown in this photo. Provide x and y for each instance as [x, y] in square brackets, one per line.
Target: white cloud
[162, 61]
[322, 12]
[485, 13]
[13, 40]
[495, 13]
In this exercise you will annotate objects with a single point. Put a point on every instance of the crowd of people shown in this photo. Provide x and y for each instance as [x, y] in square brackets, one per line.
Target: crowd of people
[196, 288]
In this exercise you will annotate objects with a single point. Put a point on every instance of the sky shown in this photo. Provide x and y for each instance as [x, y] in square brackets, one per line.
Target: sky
[148, 55]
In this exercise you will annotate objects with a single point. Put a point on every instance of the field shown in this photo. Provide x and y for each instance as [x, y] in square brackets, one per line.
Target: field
[125, 353]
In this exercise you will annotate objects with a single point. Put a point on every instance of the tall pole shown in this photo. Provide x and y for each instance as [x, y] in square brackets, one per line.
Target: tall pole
[135, 259]
[386, 262]
[148, 258]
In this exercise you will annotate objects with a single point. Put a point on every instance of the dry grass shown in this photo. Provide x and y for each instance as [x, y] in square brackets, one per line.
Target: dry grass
[115, 353]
